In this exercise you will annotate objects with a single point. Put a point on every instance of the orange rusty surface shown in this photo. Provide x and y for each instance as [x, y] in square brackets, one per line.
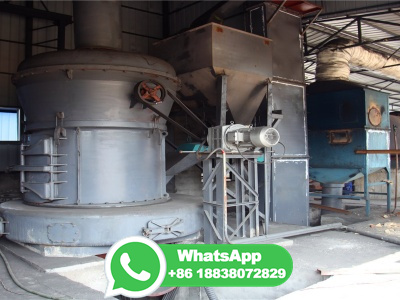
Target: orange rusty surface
[150, 93]
[219, 29]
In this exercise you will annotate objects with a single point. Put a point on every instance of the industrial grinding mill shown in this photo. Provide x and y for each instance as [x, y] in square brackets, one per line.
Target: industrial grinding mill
[92, 168]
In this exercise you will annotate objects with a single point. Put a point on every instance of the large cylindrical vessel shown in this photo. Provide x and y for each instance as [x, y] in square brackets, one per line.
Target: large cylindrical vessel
[93, 153]
[111, 154]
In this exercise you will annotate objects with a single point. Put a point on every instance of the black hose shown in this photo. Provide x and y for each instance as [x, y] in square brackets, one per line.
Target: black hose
[16, 281]
[211, 293]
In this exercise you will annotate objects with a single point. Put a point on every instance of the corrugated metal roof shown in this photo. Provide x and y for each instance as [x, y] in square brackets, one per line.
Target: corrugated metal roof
[338, 8]
[383, 25]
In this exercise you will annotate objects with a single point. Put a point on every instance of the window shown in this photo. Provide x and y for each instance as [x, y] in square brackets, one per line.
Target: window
[9, 124]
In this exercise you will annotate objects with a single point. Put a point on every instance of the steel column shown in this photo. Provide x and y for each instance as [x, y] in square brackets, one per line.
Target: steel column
[222, 108]
[61, 35]
[28, 32]
[217, 198]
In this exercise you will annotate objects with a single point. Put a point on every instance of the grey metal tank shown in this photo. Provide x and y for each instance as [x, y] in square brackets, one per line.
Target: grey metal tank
[111, 154]
[93, 158]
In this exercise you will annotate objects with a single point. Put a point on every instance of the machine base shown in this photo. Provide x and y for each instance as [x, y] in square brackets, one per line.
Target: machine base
[332, 189]
[85, 232]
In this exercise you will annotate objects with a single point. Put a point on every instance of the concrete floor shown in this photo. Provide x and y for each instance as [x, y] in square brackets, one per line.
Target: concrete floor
[48, 283]
[329, 250]
[325, 250]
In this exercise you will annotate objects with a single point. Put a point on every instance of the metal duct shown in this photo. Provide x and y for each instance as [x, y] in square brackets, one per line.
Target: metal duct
[333, 62]
[97, 24]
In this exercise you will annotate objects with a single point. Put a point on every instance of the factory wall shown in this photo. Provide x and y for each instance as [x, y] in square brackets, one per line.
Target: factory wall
[142, 24]
[12, 47]
[183, 13]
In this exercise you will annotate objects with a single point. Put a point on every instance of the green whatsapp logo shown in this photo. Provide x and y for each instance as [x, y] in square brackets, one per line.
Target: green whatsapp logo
[135, 267]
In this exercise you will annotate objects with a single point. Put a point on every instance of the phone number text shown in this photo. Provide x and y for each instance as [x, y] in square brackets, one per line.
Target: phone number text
[228, 273]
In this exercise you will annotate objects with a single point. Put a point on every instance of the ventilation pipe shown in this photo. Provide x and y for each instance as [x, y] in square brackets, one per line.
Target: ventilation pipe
[97, 24]
[333, 62]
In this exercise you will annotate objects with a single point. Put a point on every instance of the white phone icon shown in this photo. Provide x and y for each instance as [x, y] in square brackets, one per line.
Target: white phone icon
[125, 260]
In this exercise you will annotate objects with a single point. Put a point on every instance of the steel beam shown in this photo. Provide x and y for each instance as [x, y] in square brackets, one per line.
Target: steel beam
[141, 35]
[389, 39]
[281, 235]
[186, 109]
[28, 32]
[317, 47]
[23, 43]
[144, 10]
[222, 107]
[276, 12]
[389, 11]
[184, 7]
[165, 19]
[34, 13]
[377, 151]
[61, 35]
[381, 22]
[165, 117]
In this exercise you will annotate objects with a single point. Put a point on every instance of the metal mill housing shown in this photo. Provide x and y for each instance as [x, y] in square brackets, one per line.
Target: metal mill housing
[92, 168]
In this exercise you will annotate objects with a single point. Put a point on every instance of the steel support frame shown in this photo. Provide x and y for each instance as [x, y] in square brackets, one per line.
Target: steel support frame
[316, 48]
[34, 13]
[28, 32]
[352, 19]
[367, 185]
[218, 198]
[60, 20]
[324, 17]
[222, 106]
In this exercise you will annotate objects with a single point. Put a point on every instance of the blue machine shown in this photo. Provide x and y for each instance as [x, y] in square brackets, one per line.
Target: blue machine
[342, 118]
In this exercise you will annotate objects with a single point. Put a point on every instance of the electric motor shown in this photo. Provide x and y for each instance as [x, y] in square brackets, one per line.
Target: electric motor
[237, 137]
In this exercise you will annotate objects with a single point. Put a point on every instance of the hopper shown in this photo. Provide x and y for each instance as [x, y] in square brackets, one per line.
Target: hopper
[200, 55]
